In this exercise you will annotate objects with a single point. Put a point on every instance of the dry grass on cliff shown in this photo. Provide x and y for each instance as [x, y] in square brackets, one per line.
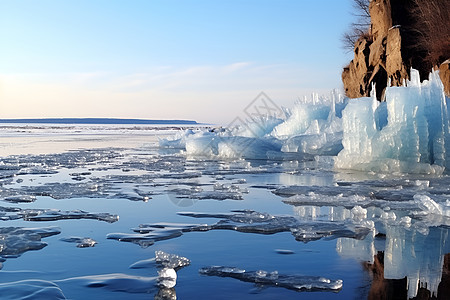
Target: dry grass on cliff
[432, 26]
[358, 28]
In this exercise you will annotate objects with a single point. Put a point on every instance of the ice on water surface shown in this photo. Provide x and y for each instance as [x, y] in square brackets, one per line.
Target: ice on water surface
[247, 221]
[264, 278]
[275, 178]
[14, 241]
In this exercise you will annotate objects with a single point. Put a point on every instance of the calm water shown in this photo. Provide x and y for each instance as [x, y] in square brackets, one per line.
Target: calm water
[381, 235]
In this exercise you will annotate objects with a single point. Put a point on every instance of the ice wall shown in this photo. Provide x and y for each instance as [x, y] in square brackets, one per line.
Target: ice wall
[407, 133]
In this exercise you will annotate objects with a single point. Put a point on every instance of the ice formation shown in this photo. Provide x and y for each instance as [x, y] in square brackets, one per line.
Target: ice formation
[311, 127]
[409, 133]
[264, 278]
[34, 214]
[82, 242]
[14, 241]
[413, 216]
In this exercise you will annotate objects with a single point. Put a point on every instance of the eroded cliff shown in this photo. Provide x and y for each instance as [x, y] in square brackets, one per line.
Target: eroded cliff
[395, 43]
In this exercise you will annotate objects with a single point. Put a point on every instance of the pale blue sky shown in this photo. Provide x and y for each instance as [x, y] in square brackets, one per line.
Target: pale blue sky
[190, 59]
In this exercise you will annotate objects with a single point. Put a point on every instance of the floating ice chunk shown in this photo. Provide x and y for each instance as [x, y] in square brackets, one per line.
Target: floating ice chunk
[16, 240]
[247, 221]
[359, 213]
[428, 205]
[164, 260]
[171, 261]
[27, 289]
[293, 282]
[82, 242]
[54, 215]
[21, 198]
[330, 230]
[389, 215]
[13, 213]
[217, 195]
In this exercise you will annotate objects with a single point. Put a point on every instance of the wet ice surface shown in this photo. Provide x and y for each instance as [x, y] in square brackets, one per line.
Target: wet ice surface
[242, 213]
[14, 241]
[264, 278]
[249, 222]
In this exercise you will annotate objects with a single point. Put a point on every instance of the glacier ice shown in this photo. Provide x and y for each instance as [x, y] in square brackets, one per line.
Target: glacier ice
[264, 278]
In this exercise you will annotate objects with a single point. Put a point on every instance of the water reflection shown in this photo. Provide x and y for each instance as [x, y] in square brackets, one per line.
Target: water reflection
[405, 262]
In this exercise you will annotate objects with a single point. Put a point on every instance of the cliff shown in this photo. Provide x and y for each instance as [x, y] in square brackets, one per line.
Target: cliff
[400, 36]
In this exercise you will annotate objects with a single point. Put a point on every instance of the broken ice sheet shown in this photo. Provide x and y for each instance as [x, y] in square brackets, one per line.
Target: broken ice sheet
[13, 213]
[162, 259]
[16, 240]
[247, 221]
[171, 260]
[20, 198]
[82, 242]
[293, 282]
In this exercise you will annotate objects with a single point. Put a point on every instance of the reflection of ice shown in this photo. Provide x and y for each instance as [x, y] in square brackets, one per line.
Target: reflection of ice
[415, 256]
[264, 278]
[362, 250]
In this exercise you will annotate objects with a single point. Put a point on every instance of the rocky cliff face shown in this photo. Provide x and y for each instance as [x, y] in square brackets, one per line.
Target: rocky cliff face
[389, 50]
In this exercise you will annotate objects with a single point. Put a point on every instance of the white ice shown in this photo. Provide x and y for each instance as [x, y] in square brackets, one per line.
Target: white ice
[408, 133]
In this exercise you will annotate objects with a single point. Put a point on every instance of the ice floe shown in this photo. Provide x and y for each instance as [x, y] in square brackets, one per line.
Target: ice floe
[82, 242]
[246, 221]
[264, 278]
[14, 241]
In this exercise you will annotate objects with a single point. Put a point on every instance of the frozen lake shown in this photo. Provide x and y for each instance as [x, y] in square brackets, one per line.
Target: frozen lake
[85, 208]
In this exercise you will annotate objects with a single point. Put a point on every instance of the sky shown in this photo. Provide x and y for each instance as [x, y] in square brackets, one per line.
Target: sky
[202, 60]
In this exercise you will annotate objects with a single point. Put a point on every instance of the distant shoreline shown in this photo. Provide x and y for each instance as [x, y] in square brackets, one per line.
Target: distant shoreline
[98, 121]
